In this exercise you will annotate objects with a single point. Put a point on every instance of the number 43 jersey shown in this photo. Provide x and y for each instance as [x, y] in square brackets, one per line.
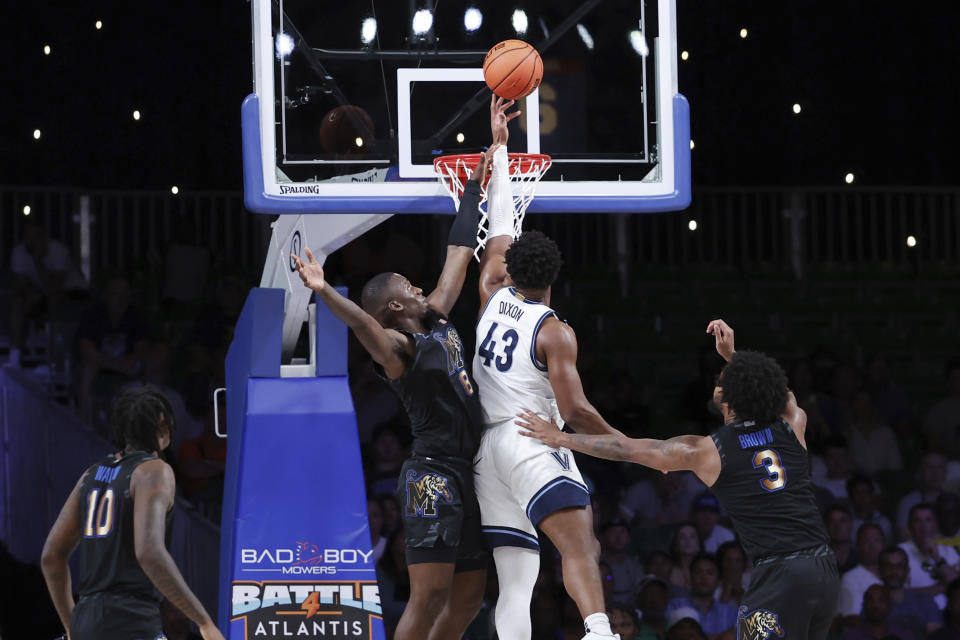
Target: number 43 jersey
[505, 367]
[765, 487]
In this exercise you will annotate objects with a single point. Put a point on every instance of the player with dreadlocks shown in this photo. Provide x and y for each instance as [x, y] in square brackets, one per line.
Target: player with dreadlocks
[120, 514]
[756, 463]
[527, 357]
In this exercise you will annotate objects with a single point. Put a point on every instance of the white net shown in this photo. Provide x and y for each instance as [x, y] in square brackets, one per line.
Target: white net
[525, 171]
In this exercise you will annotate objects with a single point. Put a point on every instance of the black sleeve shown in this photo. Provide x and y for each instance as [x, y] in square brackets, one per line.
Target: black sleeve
[463, 233]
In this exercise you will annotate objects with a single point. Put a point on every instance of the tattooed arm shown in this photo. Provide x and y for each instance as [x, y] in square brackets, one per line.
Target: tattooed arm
[153, 487]
[682, 453]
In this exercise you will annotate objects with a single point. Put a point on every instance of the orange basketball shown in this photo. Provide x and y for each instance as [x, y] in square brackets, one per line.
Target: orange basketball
[513, 69]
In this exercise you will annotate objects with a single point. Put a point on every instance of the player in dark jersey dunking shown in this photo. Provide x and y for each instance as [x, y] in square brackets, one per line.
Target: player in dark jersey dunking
[419, 352]
[119, 513]
[756, 464]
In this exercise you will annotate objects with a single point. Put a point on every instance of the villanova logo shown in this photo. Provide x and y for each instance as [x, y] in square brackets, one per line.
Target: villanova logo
[758, 625]
[563, 459]
[424, 492]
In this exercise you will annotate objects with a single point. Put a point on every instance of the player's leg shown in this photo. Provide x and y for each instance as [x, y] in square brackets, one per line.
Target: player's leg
[824, 589]
[430, 584]
[517, 571]
[771, 607]
[463, 603]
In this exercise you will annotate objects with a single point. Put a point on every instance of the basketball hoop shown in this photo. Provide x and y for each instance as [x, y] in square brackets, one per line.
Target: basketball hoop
[526, 169]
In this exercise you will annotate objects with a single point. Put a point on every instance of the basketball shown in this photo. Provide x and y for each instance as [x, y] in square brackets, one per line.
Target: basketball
[513, 69]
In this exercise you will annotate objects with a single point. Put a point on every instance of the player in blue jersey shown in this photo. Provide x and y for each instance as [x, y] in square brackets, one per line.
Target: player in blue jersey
[756, 463]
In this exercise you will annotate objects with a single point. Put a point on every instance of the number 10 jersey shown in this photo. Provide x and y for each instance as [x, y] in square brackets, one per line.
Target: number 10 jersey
[505, 367]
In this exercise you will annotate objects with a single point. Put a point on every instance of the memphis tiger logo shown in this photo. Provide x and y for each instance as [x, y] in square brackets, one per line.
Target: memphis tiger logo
[758, 624]
[424, 492]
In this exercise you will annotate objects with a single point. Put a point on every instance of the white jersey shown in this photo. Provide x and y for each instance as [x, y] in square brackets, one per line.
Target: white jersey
[505, 366]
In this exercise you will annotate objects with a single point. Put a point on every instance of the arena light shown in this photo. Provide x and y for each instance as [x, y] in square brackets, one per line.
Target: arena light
[98, 25]
[796, 107]
[368, 30]
[692, 225]
[684, 55]
[691, 144]
[743, 32]
[46, 49]
[519, 21]
[911, 241]
[358, 141]
[285, 44]
[472, 19]
[422, 21]
[585, 36]
[36, 134]
[639, 43]
[26, 211]
[136, 114]
[848, 178]
[174, 189]
[461, 137]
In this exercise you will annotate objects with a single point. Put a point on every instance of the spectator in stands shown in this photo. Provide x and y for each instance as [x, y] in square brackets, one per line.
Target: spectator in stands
[873, 445]
[863, 501]
[387, 454]
[705, 514]
[875, 618]
[932, 566]
[394, 580]
[659, 564]
[652, 598]
[836, 468]
[664, 499]
[625, 567]
[201, 463]
[43, 274]
[948, 517]
[623, 620]
[716, 617]
[839, 523]
[951, 615]
[112, 342]
[686, 626]
[802, 385]
[544, 621]
[891, 402]
[609, 581]
[375, 518]
[855, 582]
[942, 422]
[838, 406]
[930, 480]
[734, 577]
[911, 609]
[391, 514]
[686, 545]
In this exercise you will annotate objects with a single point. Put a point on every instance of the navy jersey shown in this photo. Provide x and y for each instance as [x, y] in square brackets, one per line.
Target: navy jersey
[764, 485]
[109, 561]
[440, 396]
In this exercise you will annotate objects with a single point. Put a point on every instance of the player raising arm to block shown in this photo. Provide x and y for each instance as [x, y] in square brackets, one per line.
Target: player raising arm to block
[419, 352]
[756, 463]
[120, 513]
[527, 357]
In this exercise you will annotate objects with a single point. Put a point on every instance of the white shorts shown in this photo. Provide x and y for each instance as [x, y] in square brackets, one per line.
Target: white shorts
[520, 481]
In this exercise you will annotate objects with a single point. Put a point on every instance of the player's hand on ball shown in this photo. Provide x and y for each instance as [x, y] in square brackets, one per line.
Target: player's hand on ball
[539, 428]
[723, 336]
[209, 631]
[499, 119]
[310, 272]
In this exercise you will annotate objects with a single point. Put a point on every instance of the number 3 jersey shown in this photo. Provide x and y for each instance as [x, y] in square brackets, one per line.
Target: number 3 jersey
[109, 561]
[765, 487]
[506, 367]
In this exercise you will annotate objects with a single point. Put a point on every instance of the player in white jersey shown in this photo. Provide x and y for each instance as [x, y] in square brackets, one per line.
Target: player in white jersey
[526, 357]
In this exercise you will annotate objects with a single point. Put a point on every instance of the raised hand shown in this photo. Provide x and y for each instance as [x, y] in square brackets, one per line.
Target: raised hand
[480, 171]
[723, 336]
[310, 272]
[539, 428]
[499, 119]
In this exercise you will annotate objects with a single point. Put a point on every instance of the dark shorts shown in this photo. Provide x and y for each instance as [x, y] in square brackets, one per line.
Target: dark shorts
[792, 596]
[99, 616]
[441, 516]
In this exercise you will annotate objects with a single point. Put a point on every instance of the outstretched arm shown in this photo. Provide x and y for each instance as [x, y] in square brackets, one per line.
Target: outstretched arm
[152, 487]
[557, 346]
[63, 539]
[681, 453]
[387, 347]
[462, 241]
[500, 212]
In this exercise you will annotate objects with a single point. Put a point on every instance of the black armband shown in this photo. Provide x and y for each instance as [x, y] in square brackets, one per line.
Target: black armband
[463, 233]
